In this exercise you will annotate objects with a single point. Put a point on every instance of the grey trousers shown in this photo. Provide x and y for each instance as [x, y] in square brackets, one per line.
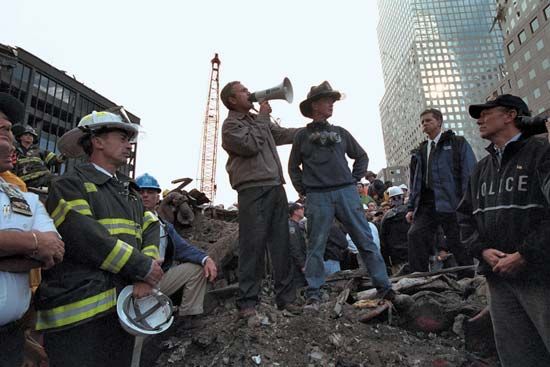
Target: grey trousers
[191, 278]
[520, 311]
[263, 223]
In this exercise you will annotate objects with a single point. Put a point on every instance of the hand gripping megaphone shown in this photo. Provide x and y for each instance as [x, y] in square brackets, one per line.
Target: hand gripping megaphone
[281, 91]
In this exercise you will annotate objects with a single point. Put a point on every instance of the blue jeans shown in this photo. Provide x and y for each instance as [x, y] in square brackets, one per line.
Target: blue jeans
[345, 205]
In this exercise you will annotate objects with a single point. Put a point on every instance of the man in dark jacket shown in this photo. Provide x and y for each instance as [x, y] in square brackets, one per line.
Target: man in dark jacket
[393, 230]
[255, 172]
[33, 164]
[319, 169]
[335, 251]
[505, 221]
[439, 175]
[186, 267]
[110, 241]
[297, 240]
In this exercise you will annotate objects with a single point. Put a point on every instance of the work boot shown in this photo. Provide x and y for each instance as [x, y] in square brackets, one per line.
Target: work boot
[292, 309]
[386, 294]
[251, 317]
[312, 304]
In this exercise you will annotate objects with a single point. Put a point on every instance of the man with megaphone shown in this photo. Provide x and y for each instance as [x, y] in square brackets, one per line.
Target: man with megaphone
[256, 173]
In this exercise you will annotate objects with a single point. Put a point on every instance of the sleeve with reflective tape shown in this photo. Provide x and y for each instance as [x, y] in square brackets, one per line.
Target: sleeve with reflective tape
[151, 235]
[86, 239]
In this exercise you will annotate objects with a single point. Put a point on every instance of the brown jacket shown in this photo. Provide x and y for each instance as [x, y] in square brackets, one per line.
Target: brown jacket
[251, 142]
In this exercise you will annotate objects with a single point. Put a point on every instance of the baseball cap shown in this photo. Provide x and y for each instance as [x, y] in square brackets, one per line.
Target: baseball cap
[294, 206]
[504, 100]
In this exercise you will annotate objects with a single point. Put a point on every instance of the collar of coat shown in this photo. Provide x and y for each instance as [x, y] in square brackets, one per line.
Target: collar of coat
[91, 173]
[446, 135]
[240, 115]
[512, 146]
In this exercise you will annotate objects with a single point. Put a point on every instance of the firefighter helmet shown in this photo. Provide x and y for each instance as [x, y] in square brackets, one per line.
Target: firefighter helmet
[20, 130]
[69, 143]
[144, 316]
[146, 181]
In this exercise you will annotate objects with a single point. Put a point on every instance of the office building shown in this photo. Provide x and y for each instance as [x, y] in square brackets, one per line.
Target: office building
[526, 28]
[54, 101]
[435, 54]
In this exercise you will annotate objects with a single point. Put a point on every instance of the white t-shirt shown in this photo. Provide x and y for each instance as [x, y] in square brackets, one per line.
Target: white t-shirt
[15, 293]
[375, 238]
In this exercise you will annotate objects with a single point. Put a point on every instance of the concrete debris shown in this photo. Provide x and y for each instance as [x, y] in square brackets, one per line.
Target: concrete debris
[257, 359]
[431, 322]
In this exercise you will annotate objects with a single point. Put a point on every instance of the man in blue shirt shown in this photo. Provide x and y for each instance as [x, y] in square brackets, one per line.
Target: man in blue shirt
[319, 169]
[185, 265]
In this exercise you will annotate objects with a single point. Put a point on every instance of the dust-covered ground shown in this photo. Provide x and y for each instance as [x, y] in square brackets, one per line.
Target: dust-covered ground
[310, 339]
[322, 338]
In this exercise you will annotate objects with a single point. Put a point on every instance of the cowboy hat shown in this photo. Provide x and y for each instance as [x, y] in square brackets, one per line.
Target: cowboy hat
[315, 93]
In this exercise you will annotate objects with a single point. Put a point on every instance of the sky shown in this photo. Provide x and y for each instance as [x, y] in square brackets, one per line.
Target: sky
[153, 57]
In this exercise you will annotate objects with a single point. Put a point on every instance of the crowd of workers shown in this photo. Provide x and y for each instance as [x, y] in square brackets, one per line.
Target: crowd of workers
[100, 231]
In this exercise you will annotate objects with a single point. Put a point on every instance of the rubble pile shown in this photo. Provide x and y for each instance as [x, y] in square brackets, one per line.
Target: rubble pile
[424, 327]
[428, 324]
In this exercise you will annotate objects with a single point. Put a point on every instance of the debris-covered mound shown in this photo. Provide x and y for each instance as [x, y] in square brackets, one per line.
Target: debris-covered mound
[427, 324]
[323, 339]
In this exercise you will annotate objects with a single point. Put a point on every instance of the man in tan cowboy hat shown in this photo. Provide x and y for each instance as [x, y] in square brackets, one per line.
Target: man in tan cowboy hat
[318, 168]
[256, 173]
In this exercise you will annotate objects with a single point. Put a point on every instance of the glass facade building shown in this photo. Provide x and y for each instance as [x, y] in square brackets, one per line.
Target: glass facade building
[526, 27]
[54, 102]
[435, 54]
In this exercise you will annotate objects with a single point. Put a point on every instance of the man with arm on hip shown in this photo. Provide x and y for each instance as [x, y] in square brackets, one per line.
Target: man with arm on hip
[319, 170]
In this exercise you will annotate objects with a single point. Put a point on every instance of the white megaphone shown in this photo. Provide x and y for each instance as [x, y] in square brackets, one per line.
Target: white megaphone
[281, 91]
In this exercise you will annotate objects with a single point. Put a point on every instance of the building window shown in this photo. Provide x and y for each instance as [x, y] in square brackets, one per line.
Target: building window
[522, 37]
[536, 93]
[532, 74]
[547, 12]
[511, 48]
[548, 81]
[534, 25]
[515, 66]
[540, 45]
[545, 64]
[527, 56]
[520, 83]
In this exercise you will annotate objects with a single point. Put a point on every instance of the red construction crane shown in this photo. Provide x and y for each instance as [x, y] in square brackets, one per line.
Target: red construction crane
[209, 148]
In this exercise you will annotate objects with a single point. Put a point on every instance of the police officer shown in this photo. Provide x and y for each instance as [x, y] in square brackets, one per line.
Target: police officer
[28, 240]
[297, 242]
[393, 230]
[505, 221]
